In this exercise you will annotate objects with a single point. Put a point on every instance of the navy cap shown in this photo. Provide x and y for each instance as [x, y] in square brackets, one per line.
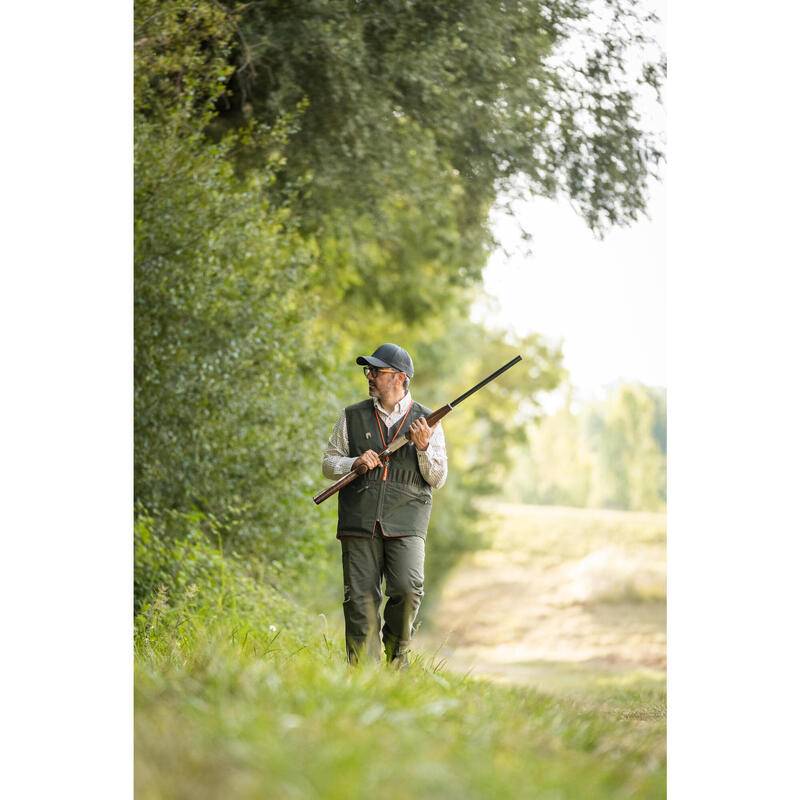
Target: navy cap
[389, 355]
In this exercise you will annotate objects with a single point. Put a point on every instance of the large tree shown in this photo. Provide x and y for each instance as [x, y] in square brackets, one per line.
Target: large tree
[631, 465]
[417, 113]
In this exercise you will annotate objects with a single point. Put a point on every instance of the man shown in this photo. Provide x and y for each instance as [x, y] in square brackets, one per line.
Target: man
[383, 514]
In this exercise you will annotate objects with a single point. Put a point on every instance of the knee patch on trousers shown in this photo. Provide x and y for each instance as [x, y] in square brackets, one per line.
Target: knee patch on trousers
[410, 586]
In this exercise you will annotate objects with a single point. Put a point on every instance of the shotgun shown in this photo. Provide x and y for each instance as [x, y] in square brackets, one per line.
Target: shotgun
[431, 419]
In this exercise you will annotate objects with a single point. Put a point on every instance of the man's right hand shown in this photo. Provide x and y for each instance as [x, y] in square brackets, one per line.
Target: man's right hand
[369, 459]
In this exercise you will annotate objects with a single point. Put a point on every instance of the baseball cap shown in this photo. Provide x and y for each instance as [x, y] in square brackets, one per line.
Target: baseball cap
[389, 355]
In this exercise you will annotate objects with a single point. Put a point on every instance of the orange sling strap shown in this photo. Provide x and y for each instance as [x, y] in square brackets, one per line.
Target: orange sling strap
[383, 440]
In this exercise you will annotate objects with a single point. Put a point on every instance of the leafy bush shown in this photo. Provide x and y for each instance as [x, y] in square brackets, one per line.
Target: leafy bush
[229, 378]
[183, 583]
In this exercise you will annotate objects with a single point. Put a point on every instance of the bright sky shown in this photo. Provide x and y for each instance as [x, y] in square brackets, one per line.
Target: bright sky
[606, 300]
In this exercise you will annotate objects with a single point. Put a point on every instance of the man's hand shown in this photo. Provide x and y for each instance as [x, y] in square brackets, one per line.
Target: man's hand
[369, 459]
[420, 433]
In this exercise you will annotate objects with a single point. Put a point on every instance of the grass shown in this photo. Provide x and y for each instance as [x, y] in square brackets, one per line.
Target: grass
[240, 694]
[296, 723]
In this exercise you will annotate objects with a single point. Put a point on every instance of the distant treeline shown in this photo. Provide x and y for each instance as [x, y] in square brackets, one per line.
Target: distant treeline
[313, 179]
[610, 453]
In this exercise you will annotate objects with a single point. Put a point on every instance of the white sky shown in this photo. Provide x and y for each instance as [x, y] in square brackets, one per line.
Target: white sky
[606, 300]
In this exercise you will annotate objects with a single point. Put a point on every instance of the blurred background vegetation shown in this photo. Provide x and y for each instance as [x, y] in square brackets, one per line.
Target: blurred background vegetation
[606, 453]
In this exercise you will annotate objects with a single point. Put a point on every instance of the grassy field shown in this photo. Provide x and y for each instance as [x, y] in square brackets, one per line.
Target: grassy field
[250, 697]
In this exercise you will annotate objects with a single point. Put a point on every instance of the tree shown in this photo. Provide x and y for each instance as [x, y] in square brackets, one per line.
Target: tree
[418, 113]
[601, 454]
[228, 383]
[482, 432]
[562, 466]
[629, 460]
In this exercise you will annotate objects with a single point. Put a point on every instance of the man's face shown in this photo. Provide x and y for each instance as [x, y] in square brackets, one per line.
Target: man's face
[382, 383]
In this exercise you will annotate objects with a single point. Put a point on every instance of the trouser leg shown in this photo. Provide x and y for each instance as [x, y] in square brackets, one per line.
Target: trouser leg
[404, 567]
[362, 566]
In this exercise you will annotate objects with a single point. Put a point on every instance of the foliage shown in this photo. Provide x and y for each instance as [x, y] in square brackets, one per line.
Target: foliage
[173, 553]
[184, 585]
[610, 453]
[228, 382]
[658, 397]
[563, 466]
[630, 464]
[419, 112]
[481, 432]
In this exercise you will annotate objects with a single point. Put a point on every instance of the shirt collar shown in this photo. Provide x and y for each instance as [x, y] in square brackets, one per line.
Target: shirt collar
[400, 407]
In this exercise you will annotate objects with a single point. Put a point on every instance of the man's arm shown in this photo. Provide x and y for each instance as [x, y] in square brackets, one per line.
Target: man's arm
[431, 451]
[337, 460]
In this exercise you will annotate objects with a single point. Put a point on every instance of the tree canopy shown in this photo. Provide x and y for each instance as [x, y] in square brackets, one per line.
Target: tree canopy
[417, 114]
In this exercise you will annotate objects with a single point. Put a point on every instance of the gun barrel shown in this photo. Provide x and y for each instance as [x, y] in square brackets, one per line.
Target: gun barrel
[486, 380]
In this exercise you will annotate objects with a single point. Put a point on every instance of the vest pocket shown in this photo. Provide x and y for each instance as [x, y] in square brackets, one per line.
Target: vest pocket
[406, 510]
[407, 494]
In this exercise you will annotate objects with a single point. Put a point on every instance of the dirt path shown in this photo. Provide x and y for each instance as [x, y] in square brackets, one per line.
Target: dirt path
[562, 595]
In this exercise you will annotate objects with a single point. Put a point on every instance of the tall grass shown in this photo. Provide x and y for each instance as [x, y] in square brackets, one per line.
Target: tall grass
[239, 693]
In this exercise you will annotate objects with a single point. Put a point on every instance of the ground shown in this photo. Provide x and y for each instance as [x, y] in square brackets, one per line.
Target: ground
[570, 601]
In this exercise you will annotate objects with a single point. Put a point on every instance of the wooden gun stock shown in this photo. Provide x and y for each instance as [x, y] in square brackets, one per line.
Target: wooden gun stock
[431, 419]
[340, 484]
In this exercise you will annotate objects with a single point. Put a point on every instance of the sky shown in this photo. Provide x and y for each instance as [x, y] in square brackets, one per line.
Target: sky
[604, 299]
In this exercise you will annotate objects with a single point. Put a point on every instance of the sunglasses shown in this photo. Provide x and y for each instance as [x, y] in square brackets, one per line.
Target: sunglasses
[373, 371]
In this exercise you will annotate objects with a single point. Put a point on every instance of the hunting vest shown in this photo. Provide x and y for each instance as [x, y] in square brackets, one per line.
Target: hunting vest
[396, 495]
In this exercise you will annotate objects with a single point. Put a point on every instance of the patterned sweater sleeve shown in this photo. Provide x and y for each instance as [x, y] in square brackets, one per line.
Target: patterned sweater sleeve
[433, 461]
[337, 461]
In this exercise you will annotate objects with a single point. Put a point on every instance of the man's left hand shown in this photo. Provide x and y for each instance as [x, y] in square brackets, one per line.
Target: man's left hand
[420, 433]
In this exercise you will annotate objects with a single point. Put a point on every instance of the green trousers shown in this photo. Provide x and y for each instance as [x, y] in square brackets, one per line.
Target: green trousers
[365, 563]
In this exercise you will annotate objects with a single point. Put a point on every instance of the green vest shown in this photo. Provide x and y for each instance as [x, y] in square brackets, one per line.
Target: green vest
[401, 502]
